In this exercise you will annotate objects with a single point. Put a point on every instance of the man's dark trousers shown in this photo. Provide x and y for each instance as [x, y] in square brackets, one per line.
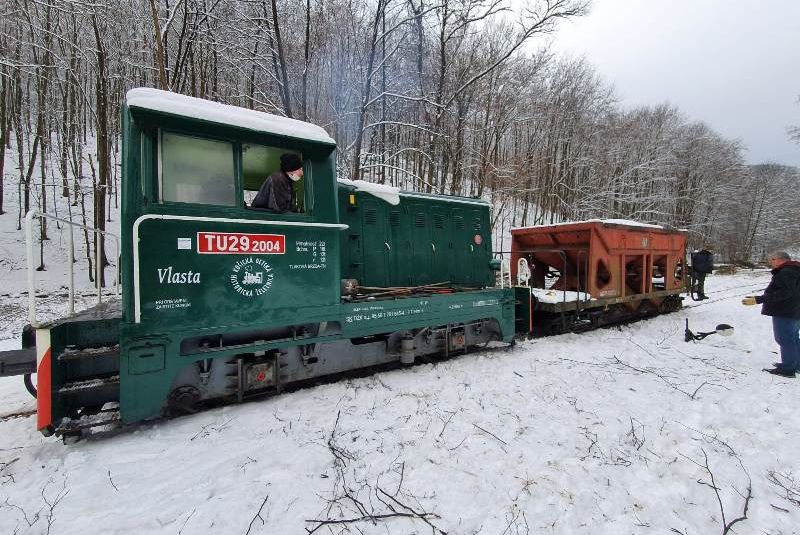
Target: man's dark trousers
[787, 334]
[700, 277]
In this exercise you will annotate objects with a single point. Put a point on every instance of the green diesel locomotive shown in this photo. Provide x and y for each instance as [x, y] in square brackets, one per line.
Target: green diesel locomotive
[221, 301]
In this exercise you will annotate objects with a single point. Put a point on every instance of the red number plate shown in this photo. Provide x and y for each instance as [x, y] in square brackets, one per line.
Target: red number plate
[236, 243]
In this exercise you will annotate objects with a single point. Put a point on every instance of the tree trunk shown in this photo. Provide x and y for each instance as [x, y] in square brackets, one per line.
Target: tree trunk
[366, 92]
[307, 58]
[285, 94]
[101, 91]
[5, 121]
[159, 50]
[86, 243]
[43, 190]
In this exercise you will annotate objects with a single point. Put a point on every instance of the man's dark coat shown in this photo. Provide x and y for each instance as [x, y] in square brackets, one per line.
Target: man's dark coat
[275, 193]
[703, 261]
[782, 296]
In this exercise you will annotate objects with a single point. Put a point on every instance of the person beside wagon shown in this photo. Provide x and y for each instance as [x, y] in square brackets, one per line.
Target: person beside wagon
[702, 265]
[781, 301]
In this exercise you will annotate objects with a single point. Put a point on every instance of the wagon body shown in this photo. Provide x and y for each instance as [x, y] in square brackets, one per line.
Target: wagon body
[597, 264]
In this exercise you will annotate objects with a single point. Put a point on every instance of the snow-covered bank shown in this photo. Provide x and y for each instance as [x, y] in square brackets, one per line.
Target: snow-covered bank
[604, 432]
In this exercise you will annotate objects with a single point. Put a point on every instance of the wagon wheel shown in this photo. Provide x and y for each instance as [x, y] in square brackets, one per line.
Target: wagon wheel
[554, 328]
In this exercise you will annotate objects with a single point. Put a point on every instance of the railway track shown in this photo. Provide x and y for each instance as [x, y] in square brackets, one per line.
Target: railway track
[741, 290]
[19, 414]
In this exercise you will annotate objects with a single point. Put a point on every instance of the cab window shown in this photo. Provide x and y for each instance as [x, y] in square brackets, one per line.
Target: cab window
[194, 170]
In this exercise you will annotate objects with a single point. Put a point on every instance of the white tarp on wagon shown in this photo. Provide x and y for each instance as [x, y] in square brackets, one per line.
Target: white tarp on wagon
[625, 222]
[559, 296]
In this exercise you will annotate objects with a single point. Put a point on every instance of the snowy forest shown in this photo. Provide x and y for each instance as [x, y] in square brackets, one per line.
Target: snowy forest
[458, 97]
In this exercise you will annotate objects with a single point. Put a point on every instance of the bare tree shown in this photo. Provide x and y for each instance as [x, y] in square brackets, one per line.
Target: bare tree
[446, 96]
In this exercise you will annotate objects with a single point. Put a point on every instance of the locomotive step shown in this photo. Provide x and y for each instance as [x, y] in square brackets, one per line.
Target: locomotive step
[107, 385]
[89, 353]
[99, 419]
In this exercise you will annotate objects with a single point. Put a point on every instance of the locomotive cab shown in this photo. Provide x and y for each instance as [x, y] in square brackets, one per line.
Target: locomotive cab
[210, 274]
[192, 174]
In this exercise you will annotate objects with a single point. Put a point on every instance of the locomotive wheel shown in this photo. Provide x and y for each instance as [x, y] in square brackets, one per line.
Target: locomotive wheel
[184, 400]
[29, 386]
[72, 437]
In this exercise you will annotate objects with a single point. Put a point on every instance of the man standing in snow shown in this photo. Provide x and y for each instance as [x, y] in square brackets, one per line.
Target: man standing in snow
[781, 300]
[702, 265]
[276, 191]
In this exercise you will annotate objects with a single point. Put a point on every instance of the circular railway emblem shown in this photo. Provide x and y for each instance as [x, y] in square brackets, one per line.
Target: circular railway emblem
[251, 276]
[478, 239]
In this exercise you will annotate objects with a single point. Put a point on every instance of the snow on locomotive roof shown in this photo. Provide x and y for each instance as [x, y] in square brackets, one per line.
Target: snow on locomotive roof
[392, 194]
[389, 194]
[215, 112]
[626, 222]
[450, 198]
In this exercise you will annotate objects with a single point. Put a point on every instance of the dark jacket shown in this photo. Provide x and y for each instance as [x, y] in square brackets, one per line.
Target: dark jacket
[782, 296]
[702, 261]
[275, 193]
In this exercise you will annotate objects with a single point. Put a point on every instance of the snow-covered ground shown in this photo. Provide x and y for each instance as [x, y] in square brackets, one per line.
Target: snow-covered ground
[617, 431]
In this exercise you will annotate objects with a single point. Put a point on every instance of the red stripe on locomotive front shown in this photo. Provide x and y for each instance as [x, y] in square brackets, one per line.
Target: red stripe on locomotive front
[44, 412]
[530, 315]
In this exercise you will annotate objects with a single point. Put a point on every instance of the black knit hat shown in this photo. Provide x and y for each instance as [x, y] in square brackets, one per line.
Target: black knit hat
[290, 162]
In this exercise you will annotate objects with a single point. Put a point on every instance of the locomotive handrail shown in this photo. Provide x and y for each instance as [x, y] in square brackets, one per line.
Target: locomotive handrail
[505, 267]
[70, 260]
[579, 300]
[560, 252]
[523, 272]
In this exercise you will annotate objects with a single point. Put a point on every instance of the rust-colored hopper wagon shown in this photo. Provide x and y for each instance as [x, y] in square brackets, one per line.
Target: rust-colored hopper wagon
[592, 273]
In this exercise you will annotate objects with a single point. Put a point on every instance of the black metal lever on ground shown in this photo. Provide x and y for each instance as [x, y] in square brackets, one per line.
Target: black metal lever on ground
[723, 328]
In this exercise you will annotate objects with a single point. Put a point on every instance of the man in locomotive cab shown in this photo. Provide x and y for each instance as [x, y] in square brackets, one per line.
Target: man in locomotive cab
[276, 192]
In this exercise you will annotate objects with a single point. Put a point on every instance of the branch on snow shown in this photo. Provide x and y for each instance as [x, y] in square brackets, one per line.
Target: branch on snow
[257, 516]
[353, 497]
[490, 433]
[726, 525]
[791, 487]
[665, 379]
[7, 477]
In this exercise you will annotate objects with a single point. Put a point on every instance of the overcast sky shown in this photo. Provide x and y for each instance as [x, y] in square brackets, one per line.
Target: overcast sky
[734, 64]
